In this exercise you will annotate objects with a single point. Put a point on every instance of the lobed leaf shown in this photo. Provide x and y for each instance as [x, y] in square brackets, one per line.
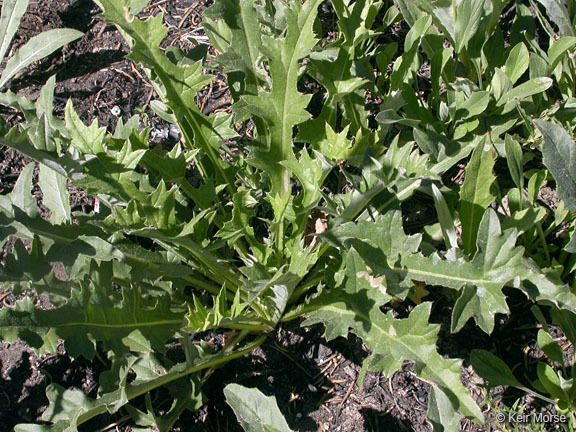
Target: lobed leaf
[87, 318]
[393, 341]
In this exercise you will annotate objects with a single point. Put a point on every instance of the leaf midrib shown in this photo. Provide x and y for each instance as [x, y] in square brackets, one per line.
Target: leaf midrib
[292, 70]
[112, 326]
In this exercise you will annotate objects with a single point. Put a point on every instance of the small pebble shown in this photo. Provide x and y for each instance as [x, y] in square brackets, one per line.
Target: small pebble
[174, 132]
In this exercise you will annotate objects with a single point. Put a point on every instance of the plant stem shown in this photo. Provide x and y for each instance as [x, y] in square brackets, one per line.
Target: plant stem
[135, 390]
[543, 242]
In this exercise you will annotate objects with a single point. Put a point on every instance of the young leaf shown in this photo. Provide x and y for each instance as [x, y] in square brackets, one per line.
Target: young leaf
[87, 139]
[255, 412]
[476, 193]
[458, 21]
[559, 151]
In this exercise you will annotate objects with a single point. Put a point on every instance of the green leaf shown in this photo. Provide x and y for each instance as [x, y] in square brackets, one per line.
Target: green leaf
[336, 73]
[239, 223]
[556, 10]
[63, 165]
[403, 66]
[492, 369]
[21, 195]
[514, 161]
[441, 412]
[524, 220]
[283, 106]
[386, 233]
[474, 105]
[112, 171]
[445, 218]
[476, 193]
[359, 291]
[67, 242]
[571, 245]
[87, 139]
[393, 341]
[37, 48]
[517, 62]
[410, 13]
[24, 269]
[12, 12]
[389, 252]
[88, 318]
[558, 49]
[310, 172]
[255, 412]
[550, 380]
[187, 396]
[559, 151]
[501, 263]
[459, 21]
[236, 316]
[469, 17]
[244, 44]
[55, 196]
[547, 291]
[70, 408]
[444, 152]
[136, 6]
[550, 348]
[177, 85]
[524, 90]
